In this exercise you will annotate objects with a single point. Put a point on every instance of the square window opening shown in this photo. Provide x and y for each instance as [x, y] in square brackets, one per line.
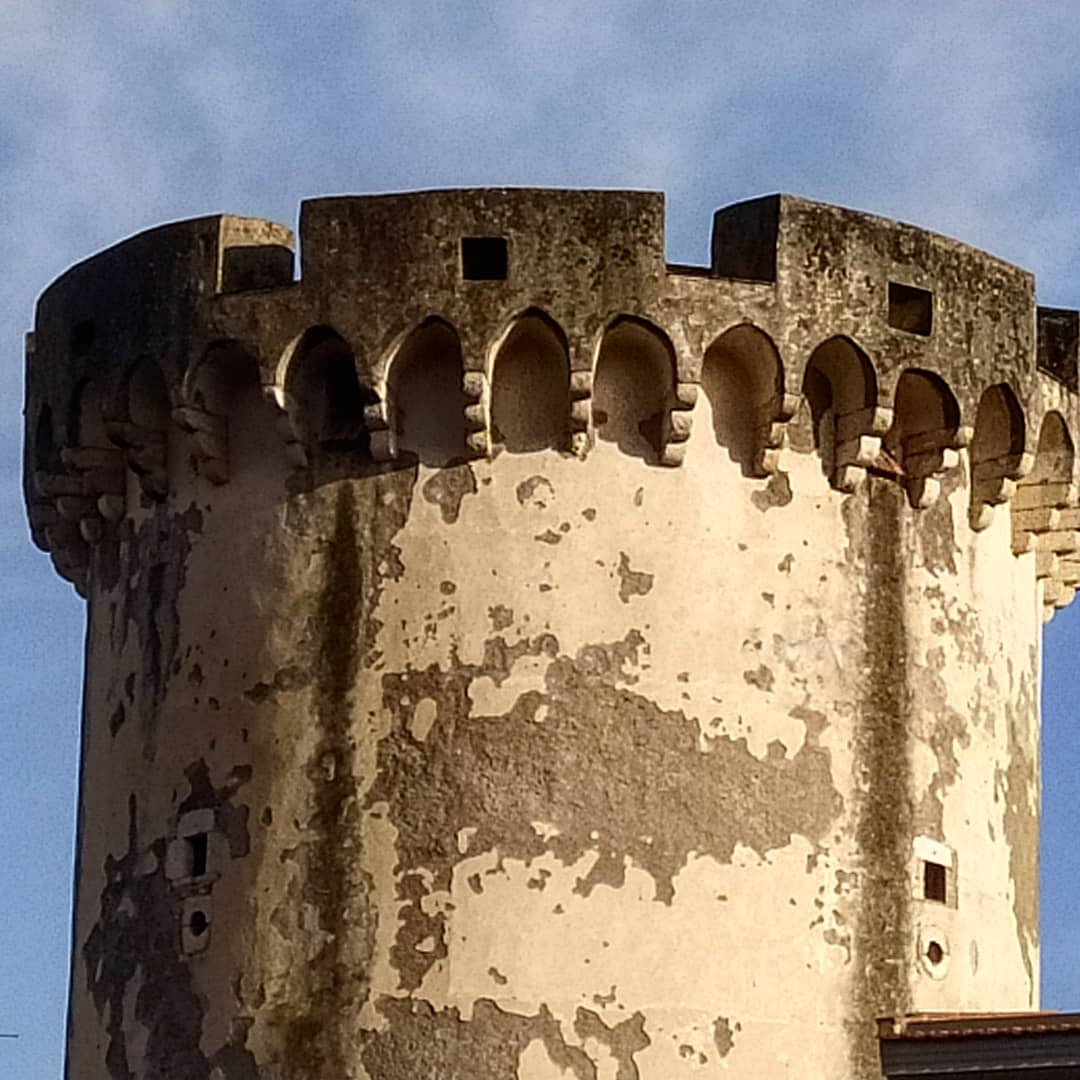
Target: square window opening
[935, 882]
[484, 258]
[198, 849]
[910, 309]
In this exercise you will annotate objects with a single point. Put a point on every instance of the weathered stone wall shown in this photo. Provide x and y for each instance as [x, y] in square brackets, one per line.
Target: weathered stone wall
[435, 725]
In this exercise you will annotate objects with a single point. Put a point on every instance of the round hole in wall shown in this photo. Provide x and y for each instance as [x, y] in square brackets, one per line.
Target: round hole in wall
[199, 923]
[933, 951]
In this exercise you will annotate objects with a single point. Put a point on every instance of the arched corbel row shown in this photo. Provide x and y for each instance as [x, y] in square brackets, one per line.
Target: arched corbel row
[997, 455]
[840, 386]
[1045, 514]
[94, 470]
[44, 461]
[73, 483]
[61, 537]
[926, 435]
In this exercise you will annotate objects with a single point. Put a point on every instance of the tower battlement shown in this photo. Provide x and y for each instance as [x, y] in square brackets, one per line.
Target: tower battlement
[905, 347]
[512, 655]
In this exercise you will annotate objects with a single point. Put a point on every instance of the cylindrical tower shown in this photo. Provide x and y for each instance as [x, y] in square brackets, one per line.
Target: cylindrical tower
[511, 656]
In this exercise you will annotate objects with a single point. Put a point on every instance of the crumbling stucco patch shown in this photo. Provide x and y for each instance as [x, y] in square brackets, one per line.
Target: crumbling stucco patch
[723, 1037]
[448, 487]
[535, 492]
[609, 771]
[419, 1041]
[622, 1041]
[135, 943]
[632, 582]
[777, 492]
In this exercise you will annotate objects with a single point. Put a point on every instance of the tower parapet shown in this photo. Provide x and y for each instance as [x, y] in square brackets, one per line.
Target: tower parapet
[496, 586]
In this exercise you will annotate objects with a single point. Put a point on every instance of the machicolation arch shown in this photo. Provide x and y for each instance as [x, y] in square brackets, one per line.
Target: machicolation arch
[530, 385]
[425, 396]
[458, 380]
[634, 388]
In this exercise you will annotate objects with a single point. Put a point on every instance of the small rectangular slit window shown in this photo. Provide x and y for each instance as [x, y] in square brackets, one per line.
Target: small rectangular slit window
[198, 848]
[910, 309]
[82, 337]
[484, 258]
[935, 882]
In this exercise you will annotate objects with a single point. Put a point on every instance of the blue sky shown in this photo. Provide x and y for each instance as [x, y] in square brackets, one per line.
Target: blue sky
[962, 117]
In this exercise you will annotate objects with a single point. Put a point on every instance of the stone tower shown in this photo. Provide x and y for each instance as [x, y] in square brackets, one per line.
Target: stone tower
[513, 657]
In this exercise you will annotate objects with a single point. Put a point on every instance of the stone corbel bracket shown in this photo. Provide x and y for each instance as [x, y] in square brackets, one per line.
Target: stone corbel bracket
[680, 421]
[581, 383]
[1046, 521]
[209, 436]
[857, 444]
[477, 390]
[925, 456]
[100, 476]
[381, 438]
[770, 430]
[145, 452]
[66, 508]
[378, 421]
[285, 423]
[993, 482]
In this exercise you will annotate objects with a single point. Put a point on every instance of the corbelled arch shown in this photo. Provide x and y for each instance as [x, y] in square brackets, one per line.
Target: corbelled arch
[841, 393]
[142, 426]
[323, 392]
[86, 417]
[88, 485]
[224, 410]
[742, 377]
[996, 452]
[634, 387]
[925, 434]
[425, 395]
[530, 384]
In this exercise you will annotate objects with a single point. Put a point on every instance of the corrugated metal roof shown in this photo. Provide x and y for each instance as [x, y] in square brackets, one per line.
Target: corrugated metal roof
[1005, 1046]
[959, 1025]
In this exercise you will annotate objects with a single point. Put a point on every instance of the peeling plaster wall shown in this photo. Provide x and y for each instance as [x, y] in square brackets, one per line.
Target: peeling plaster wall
[488, 791]
[543, 765]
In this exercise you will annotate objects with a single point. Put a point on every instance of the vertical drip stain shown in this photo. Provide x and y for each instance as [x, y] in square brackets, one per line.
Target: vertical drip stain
[883, 763]
[311, 1045]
